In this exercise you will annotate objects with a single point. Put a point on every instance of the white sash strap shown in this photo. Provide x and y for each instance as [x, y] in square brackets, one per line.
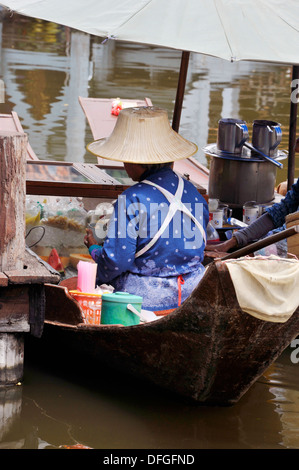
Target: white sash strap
[175, 205]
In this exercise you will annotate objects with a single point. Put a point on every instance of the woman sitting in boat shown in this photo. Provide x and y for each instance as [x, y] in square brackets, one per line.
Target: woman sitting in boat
[273, 218]
[156, 237]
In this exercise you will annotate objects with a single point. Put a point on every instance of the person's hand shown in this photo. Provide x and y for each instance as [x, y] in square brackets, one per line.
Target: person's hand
[89, 239]
[219, 250]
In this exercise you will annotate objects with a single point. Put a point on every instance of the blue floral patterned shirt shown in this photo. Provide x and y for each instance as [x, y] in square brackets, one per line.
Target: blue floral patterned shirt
[286, 206]
[138, 214]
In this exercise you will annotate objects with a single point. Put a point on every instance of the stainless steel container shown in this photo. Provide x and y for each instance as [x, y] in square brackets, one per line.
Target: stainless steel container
[236, 180]
[237, 175]
[232, 133]
[266, 136]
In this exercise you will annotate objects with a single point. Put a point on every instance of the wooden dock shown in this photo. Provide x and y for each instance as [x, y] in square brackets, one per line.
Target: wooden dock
[22, 273]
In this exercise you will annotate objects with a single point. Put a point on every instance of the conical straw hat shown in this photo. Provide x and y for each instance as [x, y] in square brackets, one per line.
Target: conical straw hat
[143, 135]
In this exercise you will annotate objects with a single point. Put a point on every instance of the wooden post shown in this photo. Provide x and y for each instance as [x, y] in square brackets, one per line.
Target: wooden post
[13, 148]
[11, 358]
[293, 127]
[180, 91]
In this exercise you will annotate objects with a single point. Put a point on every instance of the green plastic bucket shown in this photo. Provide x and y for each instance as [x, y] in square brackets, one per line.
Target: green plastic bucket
[114, 309]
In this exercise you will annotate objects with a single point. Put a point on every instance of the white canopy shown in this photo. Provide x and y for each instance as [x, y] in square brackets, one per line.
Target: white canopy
[257, 30]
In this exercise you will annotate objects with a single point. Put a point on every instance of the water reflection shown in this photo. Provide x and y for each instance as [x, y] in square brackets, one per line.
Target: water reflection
[10, 411]
[67, 408]
[283, 379]
[45, 68]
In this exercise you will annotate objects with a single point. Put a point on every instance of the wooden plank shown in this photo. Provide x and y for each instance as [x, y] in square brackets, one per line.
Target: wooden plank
[95, 174]
[192, 172]
[30, 277]
[50, 188]
[3, 280]
[35, 271]
[37, 309]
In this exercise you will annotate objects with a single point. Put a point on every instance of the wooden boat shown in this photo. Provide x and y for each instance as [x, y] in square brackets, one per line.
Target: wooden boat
[208, 350]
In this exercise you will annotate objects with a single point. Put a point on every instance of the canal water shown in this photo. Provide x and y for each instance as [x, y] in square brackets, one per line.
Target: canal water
[43, 69]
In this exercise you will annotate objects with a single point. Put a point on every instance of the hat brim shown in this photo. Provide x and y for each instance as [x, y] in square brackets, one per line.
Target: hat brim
[183, 149]
[143, 135]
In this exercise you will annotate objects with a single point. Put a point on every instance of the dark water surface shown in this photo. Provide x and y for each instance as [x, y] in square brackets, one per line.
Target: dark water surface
[45, 68]
[55, 407]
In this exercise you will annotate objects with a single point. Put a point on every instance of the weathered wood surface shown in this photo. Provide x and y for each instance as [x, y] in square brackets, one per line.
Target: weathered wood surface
[11, 358]
[208, 350]
[33, 271]
[22, 309]
[3, 280]
[69, 309]
[13, 150]
[22, 295]
[22, 275]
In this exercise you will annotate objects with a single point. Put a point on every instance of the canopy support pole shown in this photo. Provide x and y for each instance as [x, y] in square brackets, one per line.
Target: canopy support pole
[293, 125]
[180, 91]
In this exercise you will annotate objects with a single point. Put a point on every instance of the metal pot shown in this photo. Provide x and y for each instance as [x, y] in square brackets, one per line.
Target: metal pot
[236, 180]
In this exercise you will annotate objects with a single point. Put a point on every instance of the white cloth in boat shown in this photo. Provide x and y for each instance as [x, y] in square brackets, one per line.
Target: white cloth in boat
[266, 287]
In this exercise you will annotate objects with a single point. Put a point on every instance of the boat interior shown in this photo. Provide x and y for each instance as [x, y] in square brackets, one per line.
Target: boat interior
[92, 183]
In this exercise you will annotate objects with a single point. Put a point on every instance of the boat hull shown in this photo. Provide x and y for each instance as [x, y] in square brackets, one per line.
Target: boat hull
[208, 350]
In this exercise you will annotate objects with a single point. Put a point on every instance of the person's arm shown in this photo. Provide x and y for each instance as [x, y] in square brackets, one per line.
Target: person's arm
[117, 254]
[243, 237]
[258, 229]
[288, 205]
[93, 248]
